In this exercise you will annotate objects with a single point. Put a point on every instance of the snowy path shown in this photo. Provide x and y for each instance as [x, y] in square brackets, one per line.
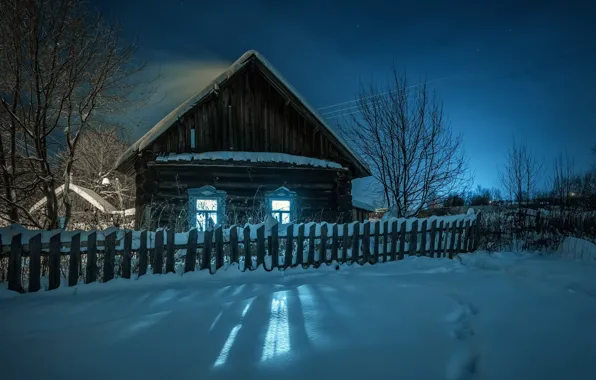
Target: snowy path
[499, 317]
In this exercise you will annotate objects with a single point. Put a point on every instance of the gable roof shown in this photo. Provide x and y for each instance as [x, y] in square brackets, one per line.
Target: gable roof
[90, 196]
[164, 124]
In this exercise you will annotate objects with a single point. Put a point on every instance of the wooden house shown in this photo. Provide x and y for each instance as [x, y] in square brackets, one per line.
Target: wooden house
[246, 145]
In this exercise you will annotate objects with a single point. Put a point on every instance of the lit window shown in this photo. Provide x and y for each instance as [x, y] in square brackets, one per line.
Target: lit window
[281, 209]
[206, 211]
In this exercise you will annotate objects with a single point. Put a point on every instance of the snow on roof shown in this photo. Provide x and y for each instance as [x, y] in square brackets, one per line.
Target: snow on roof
[178, 112]
[367, 194]
[89, 195]
[251, 157]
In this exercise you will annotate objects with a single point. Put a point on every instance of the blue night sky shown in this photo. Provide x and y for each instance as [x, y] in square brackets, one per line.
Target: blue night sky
[504, 68]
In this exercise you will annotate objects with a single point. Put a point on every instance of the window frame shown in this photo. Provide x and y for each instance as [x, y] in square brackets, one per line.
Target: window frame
[282, 194]
[206, 193]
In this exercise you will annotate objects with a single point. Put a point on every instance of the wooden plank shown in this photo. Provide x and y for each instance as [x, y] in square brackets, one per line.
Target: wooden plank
[385, 237]
[190, 261]
[402, 241]
[460, 231]
[54, 262]
[247, 254]
[289, 246]
[393, 250]
[477, 230]
[311, 244]
[14, 264]
[423, 238]
[452, 238]
[91, 269]
[274, 247]
[323, 244]
[344, 246]
[440, 250]
[355, 243]
[74, 260]
[143, 257]
[109, 257]
[170, 265]
[466, 244]
[157, 263]
[206, 259]
[234, 244]
[300, 246]
[377, 238]
[127, 255]
[366, 243]
[260, 246]
[219, 253]
[413, 239]
[433, 235]
[334, 242]
[35, 263]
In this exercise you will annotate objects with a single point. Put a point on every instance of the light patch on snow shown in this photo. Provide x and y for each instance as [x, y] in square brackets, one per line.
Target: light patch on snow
[250, 157]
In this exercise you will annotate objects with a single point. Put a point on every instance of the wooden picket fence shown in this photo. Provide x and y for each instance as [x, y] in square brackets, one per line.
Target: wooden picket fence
[36, 254]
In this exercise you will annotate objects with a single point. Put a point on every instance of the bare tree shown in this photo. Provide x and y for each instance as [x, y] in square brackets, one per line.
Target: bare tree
[521, 174]
[405, 137]
[63, 70]
[563, 180]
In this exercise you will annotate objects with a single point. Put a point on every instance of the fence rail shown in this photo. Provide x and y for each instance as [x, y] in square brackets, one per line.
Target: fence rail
[77, 256]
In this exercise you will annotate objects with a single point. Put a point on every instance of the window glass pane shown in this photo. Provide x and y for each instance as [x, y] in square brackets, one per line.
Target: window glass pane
[201, 221]
[280, 205]
[207, 204]
[285, 218]
[213, 217]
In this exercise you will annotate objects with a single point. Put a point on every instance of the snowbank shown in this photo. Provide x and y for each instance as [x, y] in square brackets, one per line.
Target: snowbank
[577, 249]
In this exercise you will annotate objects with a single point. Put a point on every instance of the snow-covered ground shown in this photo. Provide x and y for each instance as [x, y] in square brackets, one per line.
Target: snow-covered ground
[480, 316]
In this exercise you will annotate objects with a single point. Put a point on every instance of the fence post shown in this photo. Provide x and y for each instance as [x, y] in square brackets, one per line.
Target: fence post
[433, 236]
[385, 236]
[300, 246]
[91, 269]
[108, 257]
[247, 254]
[323, 245]
[355, 243]
[170, 265]
[157, 263]
[289, 246]
[126, 254]
[413, 239]
[423, 238]
[14, 264]
[334, 243]
[274, 246]
[366, 242]
[34, 263]
[54, 262]
[219, 254]
[233, 244]
[74, 260]
[440, 251]
[452, 238]
[468, 229]
[208, 242]
[311, 244]
[190, 261]
[376, 238]
[143, 254]
[394, 240]
[477, 231]
[261, 246]
[402, 241]
[345, 241]
[460, 230]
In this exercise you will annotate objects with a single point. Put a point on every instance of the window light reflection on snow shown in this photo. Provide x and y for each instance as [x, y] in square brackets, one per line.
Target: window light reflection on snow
[225, 351]
[277, 340]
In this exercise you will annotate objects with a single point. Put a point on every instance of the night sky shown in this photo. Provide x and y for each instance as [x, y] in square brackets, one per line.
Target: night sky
[502, 68]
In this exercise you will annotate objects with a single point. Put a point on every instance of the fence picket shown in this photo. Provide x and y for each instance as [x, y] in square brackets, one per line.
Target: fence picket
[466, 244]
[477, 230]
[440, 252]
[344, 246]
[14, 264]
[233, 244]
[247, 254]
[460, 230]
[261, 246]
[170, 264]
[54, 263]
[206, 259]
[91, 268]
[143, 259]
[334, 243]
[355, 243]
[433, 234]
[394, 240]
[190, 261]
[157, 262]
[219, 253]
[452, 238]
[376, 238]
[34, 263]
[274, 247]
[413, 239]
[323, 245]
[385, 235]
[109, 257]
[402, 241]
[366, 242]
[423, 238]
[74, 260]
[311, 245]
[126, 255]
[289, 246]
[300, 246]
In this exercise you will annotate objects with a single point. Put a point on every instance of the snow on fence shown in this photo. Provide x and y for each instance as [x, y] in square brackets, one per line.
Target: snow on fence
[89, 256]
